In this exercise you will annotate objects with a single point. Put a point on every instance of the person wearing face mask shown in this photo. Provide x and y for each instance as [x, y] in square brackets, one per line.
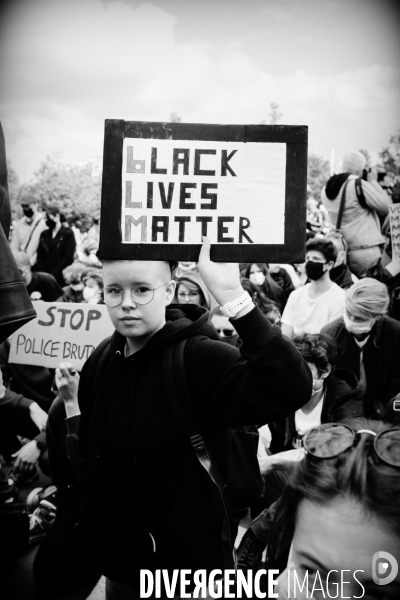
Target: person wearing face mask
[56, 246]
[27, 229]
[259, 275]
[335, 397]
[341, 273]
[73, 275]
[369, 343]
[93, 283]
[319, 302]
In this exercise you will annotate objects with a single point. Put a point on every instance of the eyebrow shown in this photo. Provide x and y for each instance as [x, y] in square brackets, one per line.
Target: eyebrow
[131, 284]
[316, 562]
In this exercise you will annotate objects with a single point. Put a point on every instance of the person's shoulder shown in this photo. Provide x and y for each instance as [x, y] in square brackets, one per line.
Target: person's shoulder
[333, 327]
[391, 324]
[337, 291]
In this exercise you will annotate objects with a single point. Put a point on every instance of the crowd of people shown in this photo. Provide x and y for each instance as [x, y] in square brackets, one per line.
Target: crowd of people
[308, 355]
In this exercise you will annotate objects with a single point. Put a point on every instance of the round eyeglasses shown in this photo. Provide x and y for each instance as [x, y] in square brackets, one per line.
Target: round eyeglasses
[141, 293]
[190, 295]
[331, 439]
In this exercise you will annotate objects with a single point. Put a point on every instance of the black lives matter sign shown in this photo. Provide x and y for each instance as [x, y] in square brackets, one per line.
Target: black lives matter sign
[166, 185]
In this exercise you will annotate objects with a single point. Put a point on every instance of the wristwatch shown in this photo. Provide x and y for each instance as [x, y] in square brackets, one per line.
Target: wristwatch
[231, 309]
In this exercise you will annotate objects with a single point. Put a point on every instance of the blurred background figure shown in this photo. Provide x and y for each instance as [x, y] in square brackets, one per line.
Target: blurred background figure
[267, 307]
[191, 289]
[224, 327]
[340, 274]
[259, 276]
[27, 229]
[73, 275]
[37, 282]
[56, 246]
[364, 203]
[183, 268]
[93, 286]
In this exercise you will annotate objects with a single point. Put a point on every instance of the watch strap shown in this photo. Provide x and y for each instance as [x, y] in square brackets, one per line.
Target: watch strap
[231, 309]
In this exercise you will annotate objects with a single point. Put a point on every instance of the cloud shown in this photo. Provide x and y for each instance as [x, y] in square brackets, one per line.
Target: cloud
[70, 65]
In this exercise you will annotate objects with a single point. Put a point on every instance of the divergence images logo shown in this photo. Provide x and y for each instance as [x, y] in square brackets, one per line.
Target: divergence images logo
[384, 568]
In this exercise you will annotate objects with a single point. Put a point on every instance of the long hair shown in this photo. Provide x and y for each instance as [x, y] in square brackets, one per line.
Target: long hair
[357, 474]
[271, 289]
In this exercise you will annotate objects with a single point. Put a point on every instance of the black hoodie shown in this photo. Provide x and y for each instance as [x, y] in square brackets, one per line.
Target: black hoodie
[139, 471]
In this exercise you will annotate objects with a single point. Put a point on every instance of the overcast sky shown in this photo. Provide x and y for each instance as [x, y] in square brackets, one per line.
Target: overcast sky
[66, 65]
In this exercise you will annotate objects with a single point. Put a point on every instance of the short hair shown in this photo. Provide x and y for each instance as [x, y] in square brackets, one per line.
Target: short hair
[96, 276]
[317, 349]
[171, 263]
[327, 248]
[353, 162]
[368, 298]
[52, 209]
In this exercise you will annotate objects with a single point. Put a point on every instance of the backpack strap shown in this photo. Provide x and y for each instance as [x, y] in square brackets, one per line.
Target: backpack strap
[31, 233]
[180, 401]
[341, 207]
[97, 362]
[360, 194]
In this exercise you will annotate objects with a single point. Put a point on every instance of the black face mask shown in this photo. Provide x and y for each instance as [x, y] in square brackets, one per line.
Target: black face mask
[28, 212]
[314, 270]
[50, 223]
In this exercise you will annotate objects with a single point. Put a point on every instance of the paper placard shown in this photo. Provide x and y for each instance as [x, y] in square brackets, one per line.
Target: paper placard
[394, 212]
[63, 331]
[166, 185]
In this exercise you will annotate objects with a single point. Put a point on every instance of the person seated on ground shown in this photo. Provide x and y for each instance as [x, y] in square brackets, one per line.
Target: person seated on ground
[73, 275]
[281, 278]
[94, 286]
[365, 203]
[37, 282]
[340, 507]
[267, 307]
[183, 268]
[369, 343]
[315, 220]
[335, 397]
[224, 327]
[191, 289]
[23, 410]
[317, 303]
[259, 276]
[340, 274]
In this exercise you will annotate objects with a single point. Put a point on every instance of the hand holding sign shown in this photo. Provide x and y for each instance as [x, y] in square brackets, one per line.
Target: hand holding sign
[222, 279]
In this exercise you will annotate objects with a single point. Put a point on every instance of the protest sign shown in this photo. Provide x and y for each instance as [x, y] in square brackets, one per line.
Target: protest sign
[394, 212]
[165, 185]
[62, 332]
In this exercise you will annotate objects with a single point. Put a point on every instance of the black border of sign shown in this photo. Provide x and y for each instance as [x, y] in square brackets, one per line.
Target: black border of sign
[294, 136]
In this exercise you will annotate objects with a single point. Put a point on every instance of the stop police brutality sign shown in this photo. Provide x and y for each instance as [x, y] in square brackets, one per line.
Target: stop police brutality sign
[165, 185]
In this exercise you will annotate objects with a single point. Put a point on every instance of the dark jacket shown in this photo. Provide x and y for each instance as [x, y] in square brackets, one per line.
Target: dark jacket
[139, 471]
[283, 279]
[54, 254]
[46, 285]
[341, 401]
[341, 275]
[381, 361]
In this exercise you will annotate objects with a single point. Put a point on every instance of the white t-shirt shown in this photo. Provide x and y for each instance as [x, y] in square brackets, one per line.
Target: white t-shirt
[304, 423]
[311, 315]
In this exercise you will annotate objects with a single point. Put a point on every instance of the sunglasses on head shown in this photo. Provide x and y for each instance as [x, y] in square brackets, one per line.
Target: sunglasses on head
[332, 439]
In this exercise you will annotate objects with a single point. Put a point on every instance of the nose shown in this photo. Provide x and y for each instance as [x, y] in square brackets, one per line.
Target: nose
[127, 301]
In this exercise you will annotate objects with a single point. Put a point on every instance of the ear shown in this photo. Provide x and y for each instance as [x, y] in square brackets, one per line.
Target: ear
[170, 292]
[329, 265]
[327, 372]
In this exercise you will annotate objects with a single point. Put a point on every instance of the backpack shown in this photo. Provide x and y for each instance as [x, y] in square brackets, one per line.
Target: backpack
[229, 455]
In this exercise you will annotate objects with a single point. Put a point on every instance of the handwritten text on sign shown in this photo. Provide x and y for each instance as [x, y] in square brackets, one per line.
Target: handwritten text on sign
[62, 332]
[177, 191]
[395, 230]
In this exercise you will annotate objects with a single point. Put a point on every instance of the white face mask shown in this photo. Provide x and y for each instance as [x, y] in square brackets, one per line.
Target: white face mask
[89, 293]
[358, 328]
[257, 278]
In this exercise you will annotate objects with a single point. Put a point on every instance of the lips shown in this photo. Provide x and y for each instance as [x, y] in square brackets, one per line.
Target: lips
[129, 319]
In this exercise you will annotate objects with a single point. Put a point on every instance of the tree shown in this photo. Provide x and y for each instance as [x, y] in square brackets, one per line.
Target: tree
[274, 115]
[174, 117]
[368, 158]
[390, 155]
[13, 190]
[74, 189]
[318, 174]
